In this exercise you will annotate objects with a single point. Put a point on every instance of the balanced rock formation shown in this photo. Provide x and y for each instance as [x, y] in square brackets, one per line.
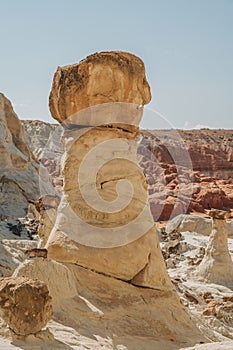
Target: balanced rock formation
[104, 221]
[25, 304]
[104, 246]
[98, 227]
[217, 265]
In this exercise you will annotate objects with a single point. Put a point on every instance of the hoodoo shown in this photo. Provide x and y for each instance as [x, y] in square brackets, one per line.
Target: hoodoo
[104, 221]
[217, 265]
[104, 246]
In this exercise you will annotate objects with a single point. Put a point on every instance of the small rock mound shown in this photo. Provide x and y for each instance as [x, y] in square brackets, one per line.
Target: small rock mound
[25, 304]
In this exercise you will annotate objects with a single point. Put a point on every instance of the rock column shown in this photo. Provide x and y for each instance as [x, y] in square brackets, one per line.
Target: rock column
[104, 222]
[217, 265]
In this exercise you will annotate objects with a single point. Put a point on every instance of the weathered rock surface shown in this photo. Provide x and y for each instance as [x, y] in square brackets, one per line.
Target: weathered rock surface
[59, 279]
[217, 265]
[78, 235]
[100, 78]
[128, 316]
[212, 346]
[25, 304]
[12, 252]
[22, 181]
[93, 311]
[108, 261]
[88, 308]
[19, 179]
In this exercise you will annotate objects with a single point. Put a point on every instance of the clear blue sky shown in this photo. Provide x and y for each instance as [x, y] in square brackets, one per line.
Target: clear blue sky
[187, 47]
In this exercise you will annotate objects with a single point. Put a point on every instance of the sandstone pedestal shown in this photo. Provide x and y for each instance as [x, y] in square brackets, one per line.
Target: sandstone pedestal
[104, 242]
[104, 221]
[217, 265]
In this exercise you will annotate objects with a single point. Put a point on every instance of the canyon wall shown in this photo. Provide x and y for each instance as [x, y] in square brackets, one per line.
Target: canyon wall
[209, 179]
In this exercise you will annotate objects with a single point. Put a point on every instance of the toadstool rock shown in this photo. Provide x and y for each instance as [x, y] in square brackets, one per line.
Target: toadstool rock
[217, 265]
[104, 221]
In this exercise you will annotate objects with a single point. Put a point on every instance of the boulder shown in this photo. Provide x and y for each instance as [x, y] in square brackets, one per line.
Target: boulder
[100, 78]
[25, 304]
